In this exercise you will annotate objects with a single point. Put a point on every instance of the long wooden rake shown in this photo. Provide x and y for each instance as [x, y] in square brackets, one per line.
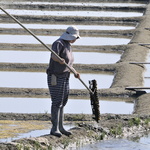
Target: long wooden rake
[93, 85]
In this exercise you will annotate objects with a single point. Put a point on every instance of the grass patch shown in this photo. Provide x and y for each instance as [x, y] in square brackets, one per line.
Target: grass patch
[134, 121]
[147, 121]
[116, 130]
[10, 128]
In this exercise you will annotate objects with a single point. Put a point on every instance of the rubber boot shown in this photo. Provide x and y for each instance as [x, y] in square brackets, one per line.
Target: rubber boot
[61, 118]
[55, 121]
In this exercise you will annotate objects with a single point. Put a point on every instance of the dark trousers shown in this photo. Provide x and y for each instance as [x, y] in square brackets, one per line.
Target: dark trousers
[59, 92]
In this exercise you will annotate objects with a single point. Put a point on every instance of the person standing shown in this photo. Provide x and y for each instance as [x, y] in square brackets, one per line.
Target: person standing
[58, 78]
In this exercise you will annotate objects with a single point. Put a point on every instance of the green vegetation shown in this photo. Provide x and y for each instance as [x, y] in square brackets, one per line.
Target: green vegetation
[35, 146]
[66, 142]
[100, 137]
[134, 121]
[147, 121]
[116, 130]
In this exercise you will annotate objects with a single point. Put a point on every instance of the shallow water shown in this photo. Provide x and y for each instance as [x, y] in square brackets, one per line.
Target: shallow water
[43, 57]
[34, 133]
[83, 4]
[39, 80]
[142, 143]
[74, 13]
[89, 41]
[121, 144]
[61, 26]
[74, 106]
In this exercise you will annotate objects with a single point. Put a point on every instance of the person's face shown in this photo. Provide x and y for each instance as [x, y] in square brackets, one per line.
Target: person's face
[72, 41]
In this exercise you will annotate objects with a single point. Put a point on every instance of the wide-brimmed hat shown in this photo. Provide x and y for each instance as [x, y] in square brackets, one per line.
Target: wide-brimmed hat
[71, 33]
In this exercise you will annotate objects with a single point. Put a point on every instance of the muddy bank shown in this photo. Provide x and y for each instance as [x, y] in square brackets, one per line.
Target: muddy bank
[142, 104]
[31, 67]
[110, 126]
[134, 76]
[43, 117]
[131, 1]
[77, 8]
[39, 47]
[88, 33]
[44, 93]
[142, 31]
[141, 36]
[73, 19]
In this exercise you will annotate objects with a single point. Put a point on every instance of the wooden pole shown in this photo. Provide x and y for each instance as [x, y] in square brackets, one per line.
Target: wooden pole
[139, 62]
[142, 44]
[71, 69]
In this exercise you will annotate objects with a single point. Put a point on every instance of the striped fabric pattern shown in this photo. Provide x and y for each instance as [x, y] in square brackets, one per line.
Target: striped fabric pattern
[59, 93]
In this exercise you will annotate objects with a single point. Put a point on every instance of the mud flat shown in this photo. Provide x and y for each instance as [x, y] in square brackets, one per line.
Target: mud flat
[88, 33]
[143, 102]
[110, 126]
[131, 1]
[68, 19]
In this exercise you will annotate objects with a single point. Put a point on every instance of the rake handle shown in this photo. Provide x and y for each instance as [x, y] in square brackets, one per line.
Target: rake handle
[29, 31]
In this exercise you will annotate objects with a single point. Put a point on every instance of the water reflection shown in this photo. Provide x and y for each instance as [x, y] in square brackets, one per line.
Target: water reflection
[96, 58]
[103, 80]
[74, 13]
[35, 133]
[120, 144]
[61, 26]
[83, 4]
[74, 106]
[27, 39]
[39, 80]
[43, 57]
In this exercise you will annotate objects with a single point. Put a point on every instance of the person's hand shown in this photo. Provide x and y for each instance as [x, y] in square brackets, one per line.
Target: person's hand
[62, 61]
[59, 60]
[77, 75]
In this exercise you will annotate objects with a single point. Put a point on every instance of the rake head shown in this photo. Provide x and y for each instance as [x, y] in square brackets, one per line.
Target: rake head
[94, 100]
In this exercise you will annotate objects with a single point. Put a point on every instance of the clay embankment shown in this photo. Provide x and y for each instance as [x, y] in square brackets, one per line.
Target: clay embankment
[142, 36]
[110, 127]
